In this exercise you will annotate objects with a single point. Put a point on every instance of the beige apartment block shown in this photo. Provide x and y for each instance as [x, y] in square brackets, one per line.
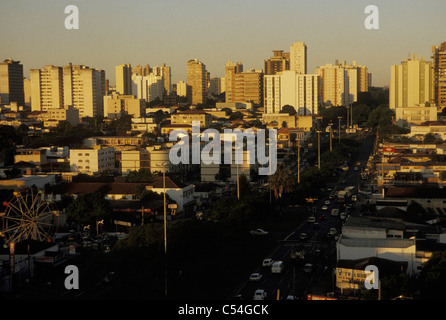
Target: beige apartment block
[141, 71]
[134, 160]
[53, 116]
[197, 78]
[248, 87]
[298, 57]
[46, 88]
[123, 75]
[96, 160]
[187, 117]
[231, 68]
[407, 117]
[84, 88]
[439, 65]
[11, 82]
[116, 105]
[341, 83]
[411, 83]
[280, 61]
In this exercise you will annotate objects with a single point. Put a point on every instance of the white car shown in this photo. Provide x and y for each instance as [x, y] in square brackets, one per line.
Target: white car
[259, 232]
[308, 268]
[268, 262]
[255, 276]
[327, 202]
[311, 219]
[260, 294]
[324, 207]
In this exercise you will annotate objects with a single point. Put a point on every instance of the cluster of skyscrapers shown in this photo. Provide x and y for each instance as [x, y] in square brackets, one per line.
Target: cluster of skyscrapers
[415, 83]
[417, 90]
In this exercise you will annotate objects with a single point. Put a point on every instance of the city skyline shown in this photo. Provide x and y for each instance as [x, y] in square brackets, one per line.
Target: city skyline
[113, 33]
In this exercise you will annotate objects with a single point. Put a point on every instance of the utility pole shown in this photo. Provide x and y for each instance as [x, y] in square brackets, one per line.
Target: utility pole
[298, 160]
[319, 149]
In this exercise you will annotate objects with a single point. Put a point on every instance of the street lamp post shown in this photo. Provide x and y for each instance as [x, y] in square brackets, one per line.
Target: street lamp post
[319, 149]
[298, 160]
[164, 164]
[339, 128]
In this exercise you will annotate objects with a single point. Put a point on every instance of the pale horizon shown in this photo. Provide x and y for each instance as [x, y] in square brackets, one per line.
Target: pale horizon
[172, 32]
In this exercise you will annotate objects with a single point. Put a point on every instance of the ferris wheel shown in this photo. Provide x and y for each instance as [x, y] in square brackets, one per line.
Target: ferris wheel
[29, 215]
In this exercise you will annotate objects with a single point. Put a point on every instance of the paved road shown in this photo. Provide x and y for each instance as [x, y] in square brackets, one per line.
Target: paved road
[293, 280]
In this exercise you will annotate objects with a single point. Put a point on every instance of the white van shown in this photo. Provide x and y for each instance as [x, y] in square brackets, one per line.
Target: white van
[277, 267]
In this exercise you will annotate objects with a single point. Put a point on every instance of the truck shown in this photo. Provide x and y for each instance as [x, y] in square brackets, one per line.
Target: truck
[342, 194]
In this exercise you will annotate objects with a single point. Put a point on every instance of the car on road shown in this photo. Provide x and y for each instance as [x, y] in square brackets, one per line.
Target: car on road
[332, 231]
[255, 276]
[327, 202]
[303, 236]
[335, 212]
[355, 168]
[291, 297]
[308, 268]
[259, 232]
[268, 262]
[311, 219]
[324, 207]
[260, 294]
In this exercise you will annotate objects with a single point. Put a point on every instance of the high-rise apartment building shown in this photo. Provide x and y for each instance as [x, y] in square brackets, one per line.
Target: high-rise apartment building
[248, 87]
[148, 88]
[439, 65]
[197, 78]
[123, 74]
[165, 72]
[341, 83]
[334, 85]
[231, 68]
[298, 57]
[11, 82]
[301, 91]
[84, 89]
[411, 83]
[46, 88]
[141, 71]
[280, 61]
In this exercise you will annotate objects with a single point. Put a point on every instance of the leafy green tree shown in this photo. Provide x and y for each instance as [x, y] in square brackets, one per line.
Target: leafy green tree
[88, 208]
[288, 109]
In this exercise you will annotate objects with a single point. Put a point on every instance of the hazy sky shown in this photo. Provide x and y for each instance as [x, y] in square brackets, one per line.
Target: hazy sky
[153, 32]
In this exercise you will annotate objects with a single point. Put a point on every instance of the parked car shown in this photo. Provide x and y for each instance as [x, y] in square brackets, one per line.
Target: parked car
[260, 294]
[255, 276]
[259, 232]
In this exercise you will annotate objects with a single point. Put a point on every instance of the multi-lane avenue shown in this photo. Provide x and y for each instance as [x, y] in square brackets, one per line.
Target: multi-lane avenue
[311, 273]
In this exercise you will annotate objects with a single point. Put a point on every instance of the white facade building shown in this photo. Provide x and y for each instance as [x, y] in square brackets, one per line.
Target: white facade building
[291, 88]
[92, 161]
[148, 87]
